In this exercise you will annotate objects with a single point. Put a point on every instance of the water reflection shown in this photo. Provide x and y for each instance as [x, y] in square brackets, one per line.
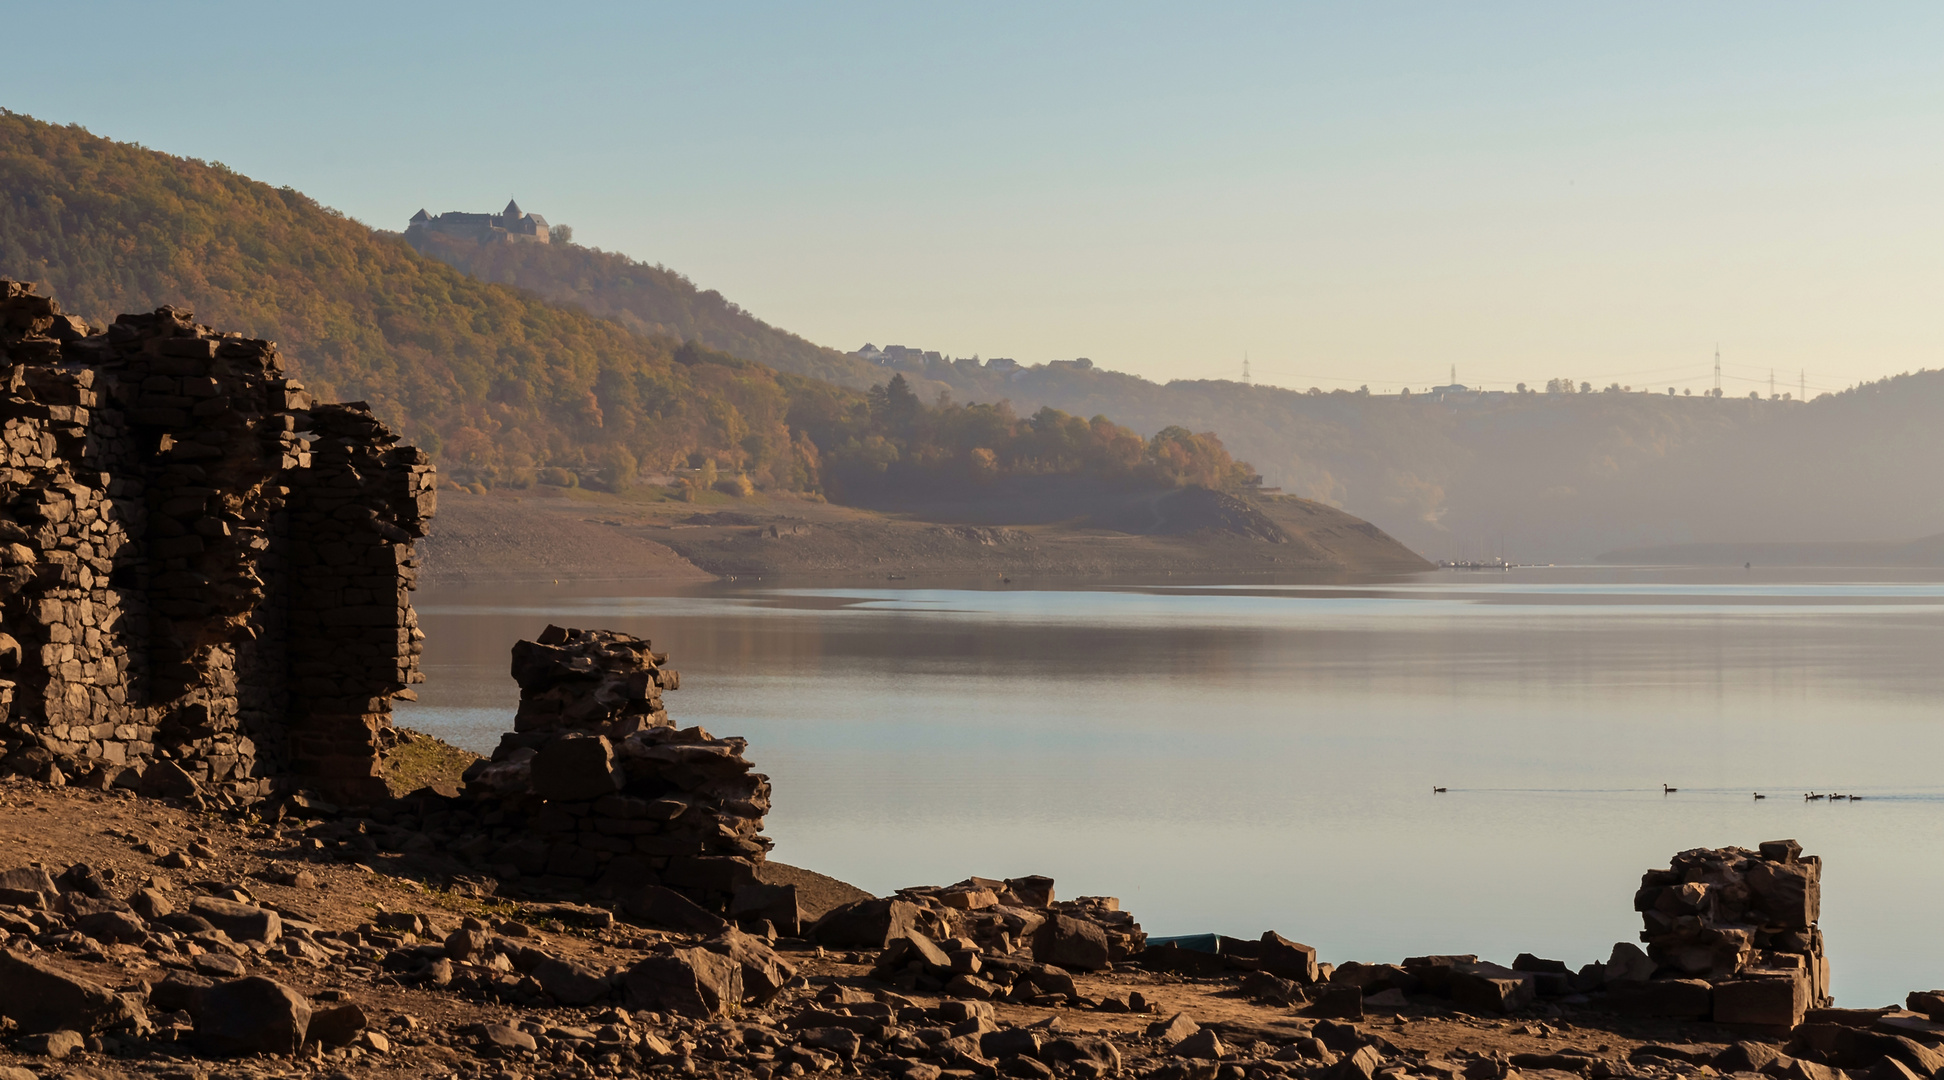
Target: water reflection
[1242, 757]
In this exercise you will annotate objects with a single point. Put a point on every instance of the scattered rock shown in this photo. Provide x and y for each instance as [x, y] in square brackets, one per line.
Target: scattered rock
[338, 1024]
[51, 1044]
[502, 1038]
[1204, 1043]
[242, 922]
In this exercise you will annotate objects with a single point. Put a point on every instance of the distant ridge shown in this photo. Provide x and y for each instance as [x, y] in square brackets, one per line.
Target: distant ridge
[1925, 552]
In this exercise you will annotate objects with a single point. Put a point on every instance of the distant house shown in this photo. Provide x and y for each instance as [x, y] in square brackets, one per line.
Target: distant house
[1081, 364]
[1002, 363]
[510, 225]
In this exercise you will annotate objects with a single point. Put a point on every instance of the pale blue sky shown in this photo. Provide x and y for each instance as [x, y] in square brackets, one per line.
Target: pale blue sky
[1349, 193]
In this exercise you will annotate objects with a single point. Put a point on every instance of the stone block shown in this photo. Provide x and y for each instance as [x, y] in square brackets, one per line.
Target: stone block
[1490, 988]
[1778, 1000]
[1689, 999]
[1286, 959]
[1338, 1003]
[576, 769]
[1790, 894]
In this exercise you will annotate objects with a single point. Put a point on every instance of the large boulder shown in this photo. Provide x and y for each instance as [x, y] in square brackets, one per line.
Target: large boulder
[41, 997]
[660, 905]
[570, 983]
[123, 927]
[776, 903]
[251, 1016]
[165, 779]
[764, 973]
[1071, 943]
[867, 924]
[692, 982]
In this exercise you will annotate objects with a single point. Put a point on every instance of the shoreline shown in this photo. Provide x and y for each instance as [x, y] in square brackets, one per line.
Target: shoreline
[549, 535]
[380, 946]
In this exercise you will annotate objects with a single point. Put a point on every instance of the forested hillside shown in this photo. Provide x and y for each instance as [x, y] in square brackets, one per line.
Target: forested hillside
[646, 299]
[502, 387]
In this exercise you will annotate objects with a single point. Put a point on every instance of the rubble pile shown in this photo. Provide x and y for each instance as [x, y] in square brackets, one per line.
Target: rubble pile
[595, 789]
[1731, 938]
[987, 939]
[204, 576]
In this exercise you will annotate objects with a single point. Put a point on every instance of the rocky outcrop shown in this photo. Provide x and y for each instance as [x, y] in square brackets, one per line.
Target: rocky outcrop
[204, 575]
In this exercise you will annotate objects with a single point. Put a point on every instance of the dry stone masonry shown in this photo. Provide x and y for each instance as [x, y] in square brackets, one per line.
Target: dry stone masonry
[204, 575]
[1738, 927]
[595, 787]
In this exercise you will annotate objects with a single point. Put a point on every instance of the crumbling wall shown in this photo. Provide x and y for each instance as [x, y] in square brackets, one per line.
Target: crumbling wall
[595, 787]
[205, 579]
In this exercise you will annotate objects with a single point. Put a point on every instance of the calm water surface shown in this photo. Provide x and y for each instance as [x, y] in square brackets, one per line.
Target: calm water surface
[1239, 758]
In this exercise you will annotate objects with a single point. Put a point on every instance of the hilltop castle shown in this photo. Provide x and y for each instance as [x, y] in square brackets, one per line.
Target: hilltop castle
[509, 225]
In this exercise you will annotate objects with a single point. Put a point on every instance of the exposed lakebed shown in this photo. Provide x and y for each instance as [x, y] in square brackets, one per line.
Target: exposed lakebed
[1252, 756]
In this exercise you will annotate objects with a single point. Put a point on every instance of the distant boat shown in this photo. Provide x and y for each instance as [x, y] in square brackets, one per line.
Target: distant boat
[1665, 790]
[1437, 791]
[1759, 795]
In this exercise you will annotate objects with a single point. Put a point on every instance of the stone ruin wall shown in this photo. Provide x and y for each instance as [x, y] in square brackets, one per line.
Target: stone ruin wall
[204, 576]
[1732, 936]
[595, 788]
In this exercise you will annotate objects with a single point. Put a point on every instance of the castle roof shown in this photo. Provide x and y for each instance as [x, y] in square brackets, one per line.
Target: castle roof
[512, 209]
[421, 216]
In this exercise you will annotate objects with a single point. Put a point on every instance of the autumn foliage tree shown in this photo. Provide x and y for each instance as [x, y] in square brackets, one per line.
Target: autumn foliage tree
[894, 442]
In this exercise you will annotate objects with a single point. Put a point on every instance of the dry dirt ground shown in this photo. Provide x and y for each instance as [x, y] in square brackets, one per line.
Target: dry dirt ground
[547, 534]
[423, 1032]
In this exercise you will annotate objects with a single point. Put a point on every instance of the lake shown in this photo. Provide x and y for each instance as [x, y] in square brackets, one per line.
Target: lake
[1237, 758]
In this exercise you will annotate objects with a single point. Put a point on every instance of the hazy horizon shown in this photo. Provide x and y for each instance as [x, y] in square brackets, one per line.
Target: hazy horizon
[1348, 197]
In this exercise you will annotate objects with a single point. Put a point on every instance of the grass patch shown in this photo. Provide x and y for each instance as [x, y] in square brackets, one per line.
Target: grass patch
[419, 760]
